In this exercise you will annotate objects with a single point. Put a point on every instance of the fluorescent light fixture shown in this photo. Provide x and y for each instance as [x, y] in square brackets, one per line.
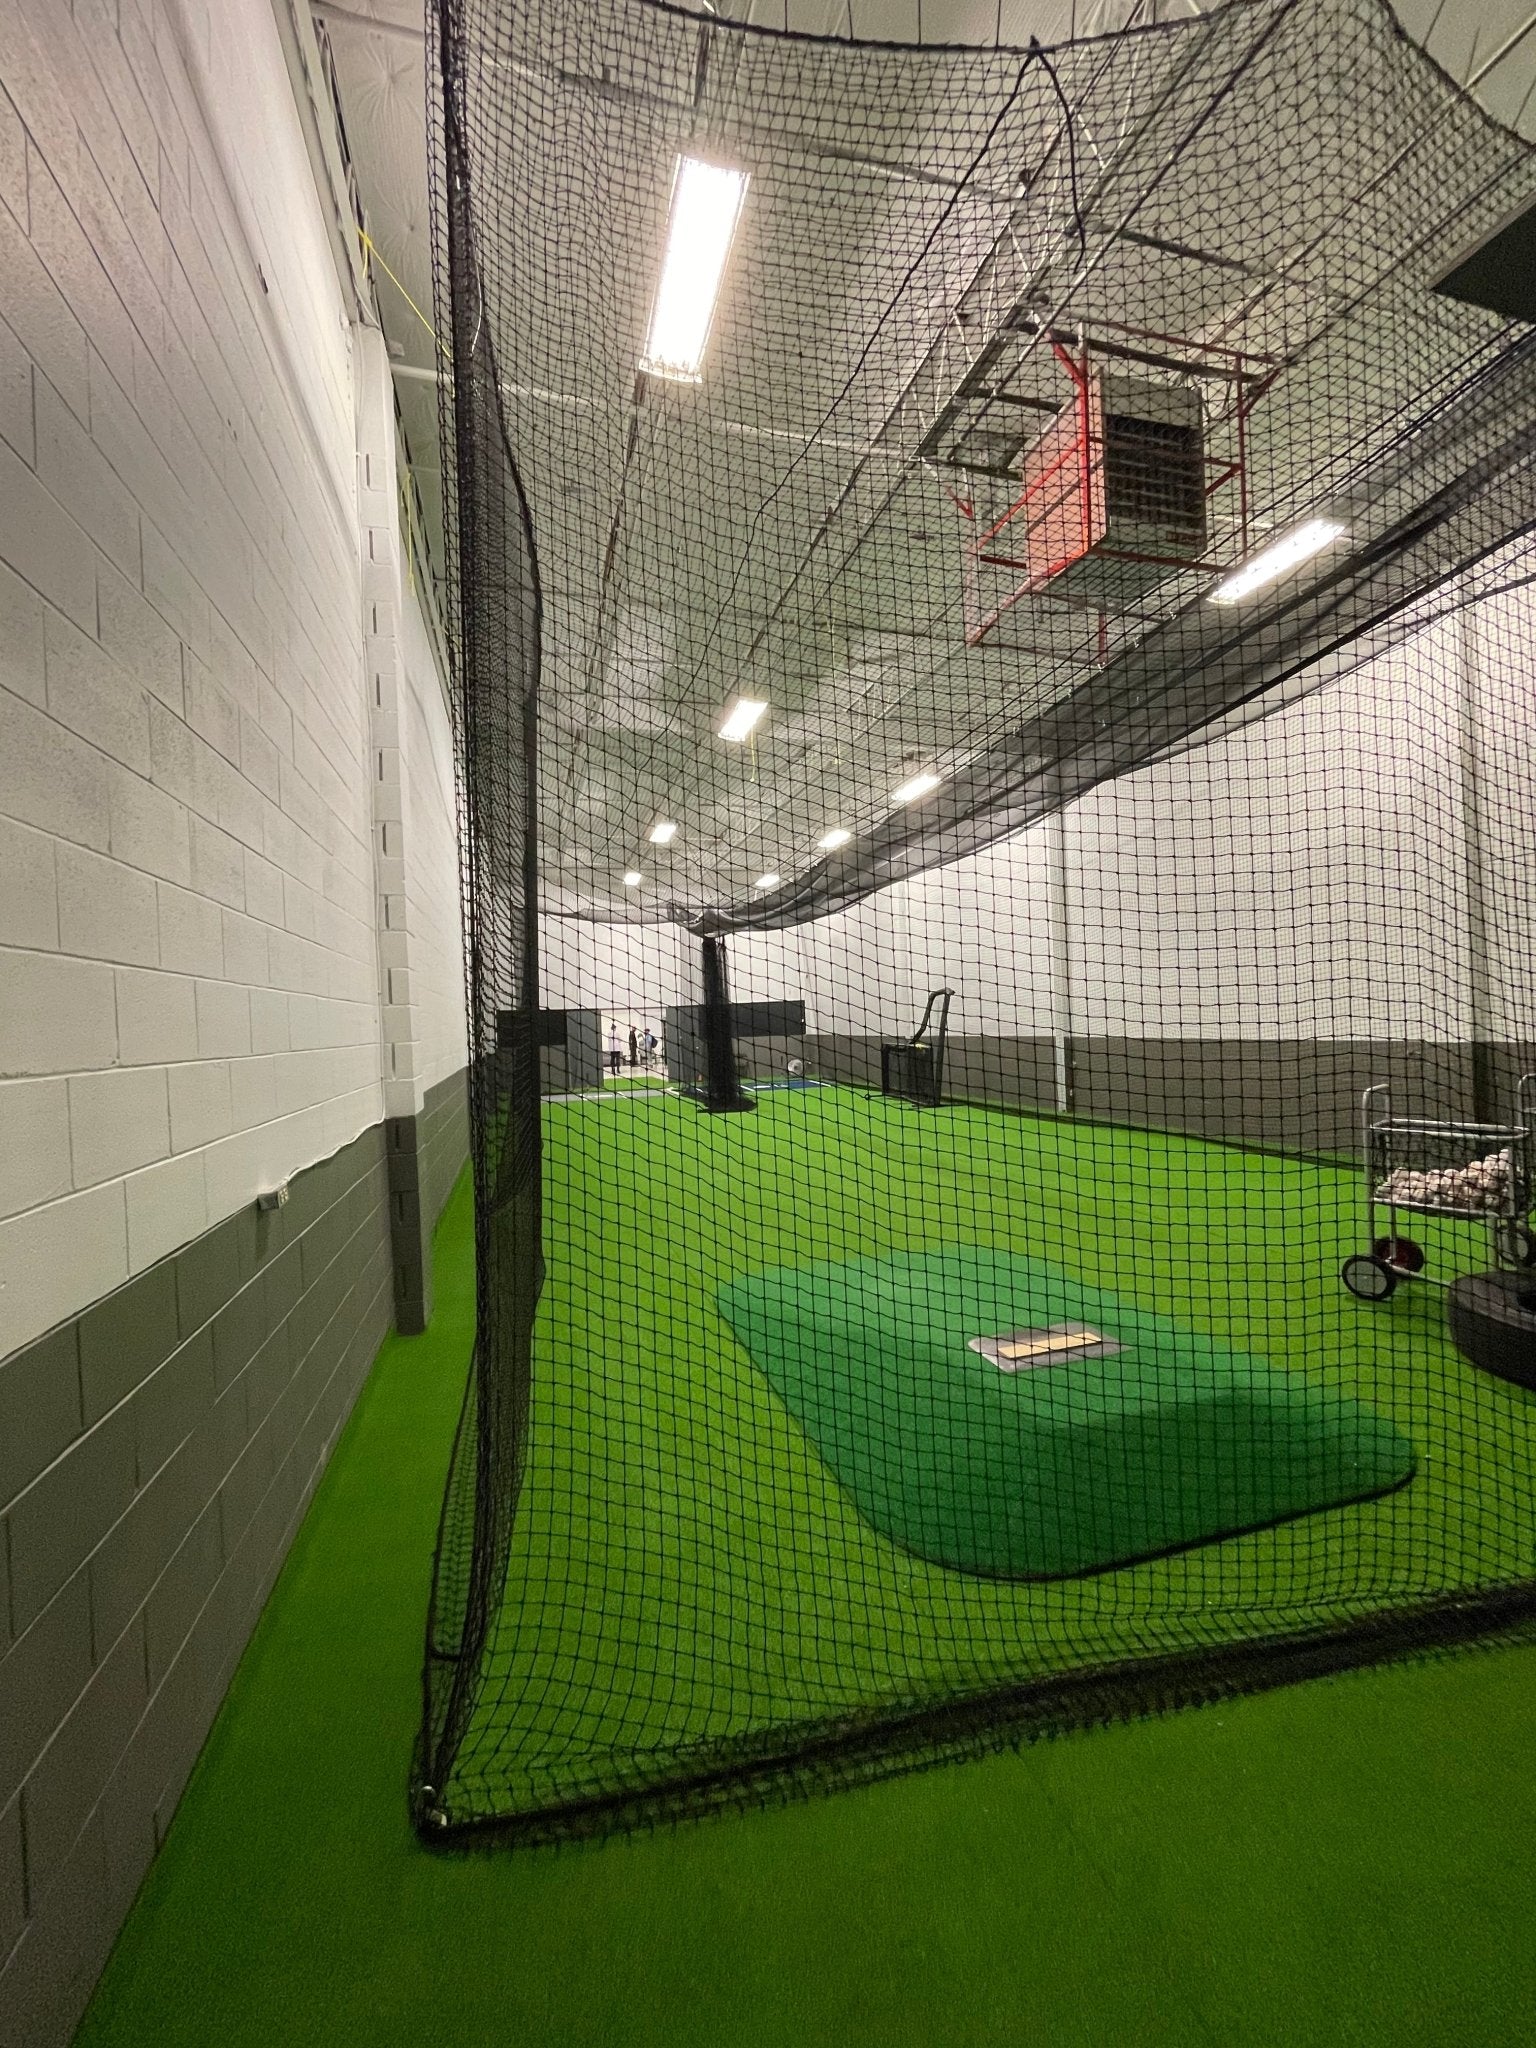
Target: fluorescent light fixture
[767, 882]
[916, 786]
[740, 717]
[1277, 560]
[663, 832]
[829, 842]
[632, 879]
[706, 205]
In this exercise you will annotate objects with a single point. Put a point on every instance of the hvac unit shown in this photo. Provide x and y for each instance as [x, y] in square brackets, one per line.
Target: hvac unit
[1113, 495]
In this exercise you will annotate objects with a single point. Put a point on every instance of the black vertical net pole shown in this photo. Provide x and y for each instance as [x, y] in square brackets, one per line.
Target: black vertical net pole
[722, 1082]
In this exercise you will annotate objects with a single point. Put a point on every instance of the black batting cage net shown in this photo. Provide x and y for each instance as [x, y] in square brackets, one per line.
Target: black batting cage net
[995, 649]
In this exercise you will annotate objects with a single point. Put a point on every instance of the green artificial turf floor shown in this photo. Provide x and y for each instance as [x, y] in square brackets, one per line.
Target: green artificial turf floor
[687, 1567]
[1346, 1862]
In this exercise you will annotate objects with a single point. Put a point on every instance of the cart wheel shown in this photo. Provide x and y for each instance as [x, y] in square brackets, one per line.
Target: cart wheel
[1517, 1247]
[1368, 1278]
[1401, 1253]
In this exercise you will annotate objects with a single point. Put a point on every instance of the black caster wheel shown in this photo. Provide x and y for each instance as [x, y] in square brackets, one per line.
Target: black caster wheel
[1400, 1253]
[1368, 1278]
[1517, 1246]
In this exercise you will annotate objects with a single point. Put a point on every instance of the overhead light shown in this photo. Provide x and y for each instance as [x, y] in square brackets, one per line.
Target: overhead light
[632, 879]
[740, 718]
[706, 205]
[916, 786]
[767, 882]
[829, 842]
[663, 832]
[1277, 560]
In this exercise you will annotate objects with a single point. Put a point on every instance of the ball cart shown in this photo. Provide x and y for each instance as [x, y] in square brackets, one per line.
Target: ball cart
[1415, 1166]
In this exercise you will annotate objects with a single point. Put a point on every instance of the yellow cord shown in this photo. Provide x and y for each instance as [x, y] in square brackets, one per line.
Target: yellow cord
[376, 255]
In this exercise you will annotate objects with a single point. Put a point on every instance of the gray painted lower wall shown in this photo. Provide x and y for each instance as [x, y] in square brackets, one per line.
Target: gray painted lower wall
[767, 1059]
[156, 1455]
[426, 1152]
[1014, 1072]
[444, 1141]
[1296, 1095]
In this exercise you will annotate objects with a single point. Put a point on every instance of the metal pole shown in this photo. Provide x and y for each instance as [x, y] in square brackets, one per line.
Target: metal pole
[1475, 878]
[1061, 958]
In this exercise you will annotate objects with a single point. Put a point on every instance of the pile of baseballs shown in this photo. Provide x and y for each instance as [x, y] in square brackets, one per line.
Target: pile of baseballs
[1483, 1185]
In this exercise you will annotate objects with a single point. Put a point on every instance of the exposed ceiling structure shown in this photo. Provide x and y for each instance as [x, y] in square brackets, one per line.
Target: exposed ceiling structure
[795, 529]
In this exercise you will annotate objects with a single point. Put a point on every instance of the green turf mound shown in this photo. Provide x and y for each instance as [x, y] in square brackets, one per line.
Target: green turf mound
[1062, 1468]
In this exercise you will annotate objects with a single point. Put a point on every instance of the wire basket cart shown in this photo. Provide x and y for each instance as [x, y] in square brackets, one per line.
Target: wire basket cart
[1415, 1166]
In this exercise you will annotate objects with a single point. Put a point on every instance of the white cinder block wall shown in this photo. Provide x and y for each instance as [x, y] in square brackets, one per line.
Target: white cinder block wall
[1304, 879]
[615, 966]
[1497, 648]
[410, 764]
[432, 856]
[201, 815]
[189, 993]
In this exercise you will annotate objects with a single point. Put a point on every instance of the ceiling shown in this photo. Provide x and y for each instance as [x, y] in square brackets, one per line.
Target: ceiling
[782, 530]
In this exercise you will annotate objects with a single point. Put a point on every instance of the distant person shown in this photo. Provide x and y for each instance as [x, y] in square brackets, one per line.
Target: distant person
[648, 1044]
[634, 1046]
[615, 1052]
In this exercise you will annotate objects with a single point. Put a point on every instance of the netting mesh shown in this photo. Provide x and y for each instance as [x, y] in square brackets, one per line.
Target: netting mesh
[1080, 1341]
